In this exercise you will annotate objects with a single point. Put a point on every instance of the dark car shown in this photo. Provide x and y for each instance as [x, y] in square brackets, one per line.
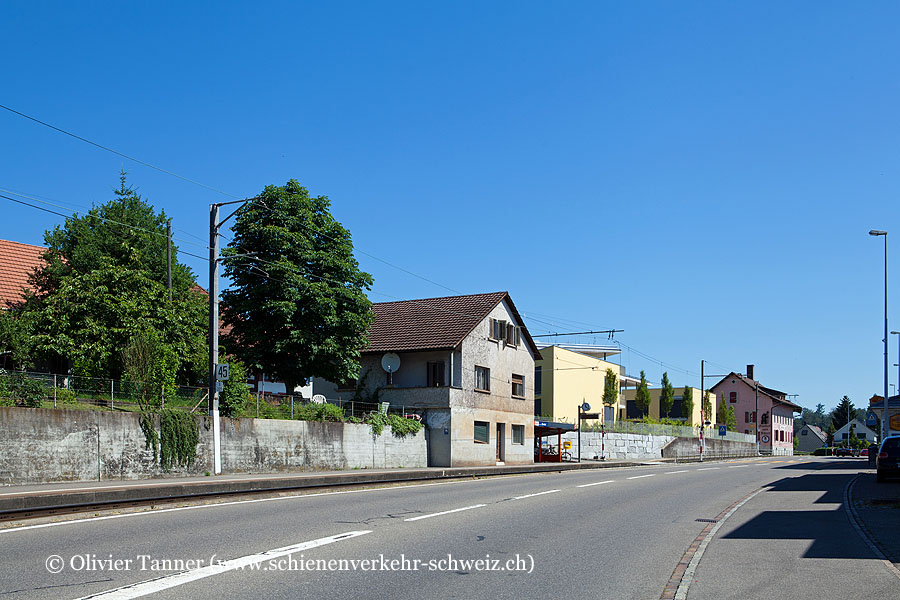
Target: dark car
[888, 462]
[843, 452]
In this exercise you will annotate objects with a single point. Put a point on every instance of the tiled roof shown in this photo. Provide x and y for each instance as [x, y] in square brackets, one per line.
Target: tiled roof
[776, 395]
[433, 323]
[17, 262]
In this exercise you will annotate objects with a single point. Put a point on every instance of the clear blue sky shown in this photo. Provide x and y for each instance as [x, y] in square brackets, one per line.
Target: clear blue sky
[701, 175]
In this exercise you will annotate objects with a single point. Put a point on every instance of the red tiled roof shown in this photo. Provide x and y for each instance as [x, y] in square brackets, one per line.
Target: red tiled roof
[17, 262]
[433, 323]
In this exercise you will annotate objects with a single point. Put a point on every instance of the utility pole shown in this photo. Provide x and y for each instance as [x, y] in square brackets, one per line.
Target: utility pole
[169, 257]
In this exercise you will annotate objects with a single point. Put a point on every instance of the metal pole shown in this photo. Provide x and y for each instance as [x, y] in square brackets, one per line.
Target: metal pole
[579, 435]
[169, 257]
[756, 418]
[885, 425]
[54, 391]
[702, 407]
[214, 332]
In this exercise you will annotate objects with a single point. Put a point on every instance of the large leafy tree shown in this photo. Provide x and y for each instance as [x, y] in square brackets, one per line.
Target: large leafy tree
[104, 282]
[297, 306]
[666, 396]
[642, 395]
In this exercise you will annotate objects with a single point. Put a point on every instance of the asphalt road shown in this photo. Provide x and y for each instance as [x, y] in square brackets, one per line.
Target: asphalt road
[609, 533]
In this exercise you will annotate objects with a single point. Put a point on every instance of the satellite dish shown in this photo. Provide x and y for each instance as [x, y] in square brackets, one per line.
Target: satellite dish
[318, 399]
[390, 362]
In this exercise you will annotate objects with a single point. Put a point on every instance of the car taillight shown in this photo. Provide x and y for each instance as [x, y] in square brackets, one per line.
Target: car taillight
[882, 455]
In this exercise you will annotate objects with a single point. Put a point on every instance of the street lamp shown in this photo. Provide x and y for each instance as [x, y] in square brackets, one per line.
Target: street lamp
[897, 333]
[884, 413]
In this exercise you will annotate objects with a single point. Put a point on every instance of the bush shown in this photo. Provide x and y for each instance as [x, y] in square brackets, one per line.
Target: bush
[64, 396]
[319, 412]
[29, 392]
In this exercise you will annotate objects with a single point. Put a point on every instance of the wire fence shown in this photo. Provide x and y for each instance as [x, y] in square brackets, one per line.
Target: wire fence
[46, 390]
[637, 427]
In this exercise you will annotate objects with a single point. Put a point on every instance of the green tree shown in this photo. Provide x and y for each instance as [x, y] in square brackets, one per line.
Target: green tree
[843, 413]
[726, 415]
[642, 396]
[149, 369]
[297, 306]
[235, 396]
[687, 403]
[666, 396]
[610, 388]
[707, 407]
[103, 283]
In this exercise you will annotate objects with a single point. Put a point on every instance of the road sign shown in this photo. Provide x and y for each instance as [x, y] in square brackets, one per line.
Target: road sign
[587, 416]
[871, 419]
[220, 387]
[723, 429]
[222, 372]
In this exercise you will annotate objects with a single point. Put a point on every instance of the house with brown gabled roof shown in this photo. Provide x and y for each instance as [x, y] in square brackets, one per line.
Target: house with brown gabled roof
[17, 262]
[759, 410]
[465, 364]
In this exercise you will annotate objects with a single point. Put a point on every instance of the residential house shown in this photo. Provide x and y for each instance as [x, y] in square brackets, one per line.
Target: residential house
[17, 262]
[568, 375]
[631, 410]
[811, 438]
[466, 363]
[776, 413]
[859, 430]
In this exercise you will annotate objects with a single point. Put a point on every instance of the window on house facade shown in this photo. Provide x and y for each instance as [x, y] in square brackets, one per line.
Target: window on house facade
[764, 419]
[802, 431]
[482, 432]
[537, 381]
[518, 386]
[498, 329]
[482, 379]
[732, 397]
[513, 335]
[518, 434]
[435, 374]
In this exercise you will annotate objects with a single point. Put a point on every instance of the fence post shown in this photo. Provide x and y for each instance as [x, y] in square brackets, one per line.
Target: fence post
[257, 404]
[112, 401]
[352, 414]
[292, 407]
[54, 391]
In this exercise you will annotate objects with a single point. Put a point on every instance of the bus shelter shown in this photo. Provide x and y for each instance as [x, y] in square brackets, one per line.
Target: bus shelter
[544, 429]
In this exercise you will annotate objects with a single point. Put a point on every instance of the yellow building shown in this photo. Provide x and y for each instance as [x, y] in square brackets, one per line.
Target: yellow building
[570, 374]
[630, 410]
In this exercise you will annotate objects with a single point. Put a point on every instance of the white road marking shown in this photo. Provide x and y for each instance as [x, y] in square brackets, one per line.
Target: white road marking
[596, 483]
[738, 466]
[446, 512]
[673, 472]
[231, 503]
[708, 468]
[136, 590]
[533, 495]
[641, 476]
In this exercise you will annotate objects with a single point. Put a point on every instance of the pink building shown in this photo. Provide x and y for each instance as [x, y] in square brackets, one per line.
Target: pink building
[775, 430]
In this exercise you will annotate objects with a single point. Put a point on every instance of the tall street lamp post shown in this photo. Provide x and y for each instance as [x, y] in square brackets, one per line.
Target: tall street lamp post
[884, 413]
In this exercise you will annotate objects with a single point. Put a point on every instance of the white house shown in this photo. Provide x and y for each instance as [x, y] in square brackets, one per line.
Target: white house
[464, 362]
[859, 430]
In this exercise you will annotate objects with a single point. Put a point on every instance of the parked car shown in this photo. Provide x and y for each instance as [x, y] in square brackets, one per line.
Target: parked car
[864, 452]
[843, 452]
[888, 462]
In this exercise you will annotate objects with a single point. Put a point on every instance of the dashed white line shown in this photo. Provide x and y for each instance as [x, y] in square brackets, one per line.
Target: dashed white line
[738, 466]
[641, 476]
[446, 512]
[533, 495]
[673, 472]
[596, 483]
[708, 468]
[136, 590]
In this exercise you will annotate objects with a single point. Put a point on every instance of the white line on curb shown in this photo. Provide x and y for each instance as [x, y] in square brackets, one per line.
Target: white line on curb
[596, 483]
[136, 590]
[533, 495]
[446, 512]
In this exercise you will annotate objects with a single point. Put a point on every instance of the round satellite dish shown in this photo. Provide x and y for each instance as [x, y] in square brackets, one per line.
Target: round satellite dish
[390, 362]
[585, 407]
[318, 399]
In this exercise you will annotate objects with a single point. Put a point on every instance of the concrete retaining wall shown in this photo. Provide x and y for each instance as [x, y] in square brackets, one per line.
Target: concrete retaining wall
[628, 446]
[42, 445]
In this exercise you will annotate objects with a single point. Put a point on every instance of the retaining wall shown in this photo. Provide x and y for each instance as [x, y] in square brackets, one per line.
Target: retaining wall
[43, 445]
[625, 446]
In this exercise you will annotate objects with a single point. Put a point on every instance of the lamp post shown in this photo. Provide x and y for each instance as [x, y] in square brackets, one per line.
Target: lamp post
[884, 413]
[897, 333]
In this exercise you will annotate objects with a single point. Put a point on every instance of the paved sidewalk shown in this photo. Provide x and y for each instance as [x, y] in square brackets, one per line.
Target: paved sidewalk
[877, 506]
[71, 495]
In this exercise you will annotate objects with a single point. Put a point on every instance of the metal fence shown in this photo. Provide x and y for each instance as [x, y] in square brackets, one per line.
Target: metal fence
[640, 428]
[91, 393]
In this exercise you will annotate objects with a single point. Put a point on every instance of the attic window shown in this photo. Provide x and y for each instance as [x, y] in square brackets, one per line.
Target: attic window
[513, 335]
[498, 330]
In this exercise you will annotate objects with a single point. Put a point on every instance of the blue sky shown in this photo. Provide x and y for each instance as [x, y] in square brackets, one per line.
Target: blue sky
[702, 175]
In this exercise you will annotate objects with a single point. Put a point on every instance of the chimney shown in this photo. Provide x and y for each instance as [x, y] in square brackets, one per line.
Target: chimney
[749, 371]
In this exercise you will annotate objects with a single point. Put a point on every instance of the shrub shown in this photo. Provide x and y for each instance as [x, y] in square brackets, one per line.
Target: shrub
[64, 396]
[29, 392]
[319, 412]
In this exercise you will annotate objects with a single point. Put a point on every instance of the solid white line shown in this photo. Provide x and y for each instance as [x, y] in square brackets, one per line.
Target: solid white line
[533, 495]
[673, 472]
[596, 483]
[446, 512]
[230, 503]
[708, 469]
[641, 476]
[136, 590]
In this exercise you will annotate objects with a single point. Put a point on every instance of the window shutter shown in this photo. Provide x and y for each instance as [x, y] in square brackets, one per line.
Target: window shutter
[481, 432]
